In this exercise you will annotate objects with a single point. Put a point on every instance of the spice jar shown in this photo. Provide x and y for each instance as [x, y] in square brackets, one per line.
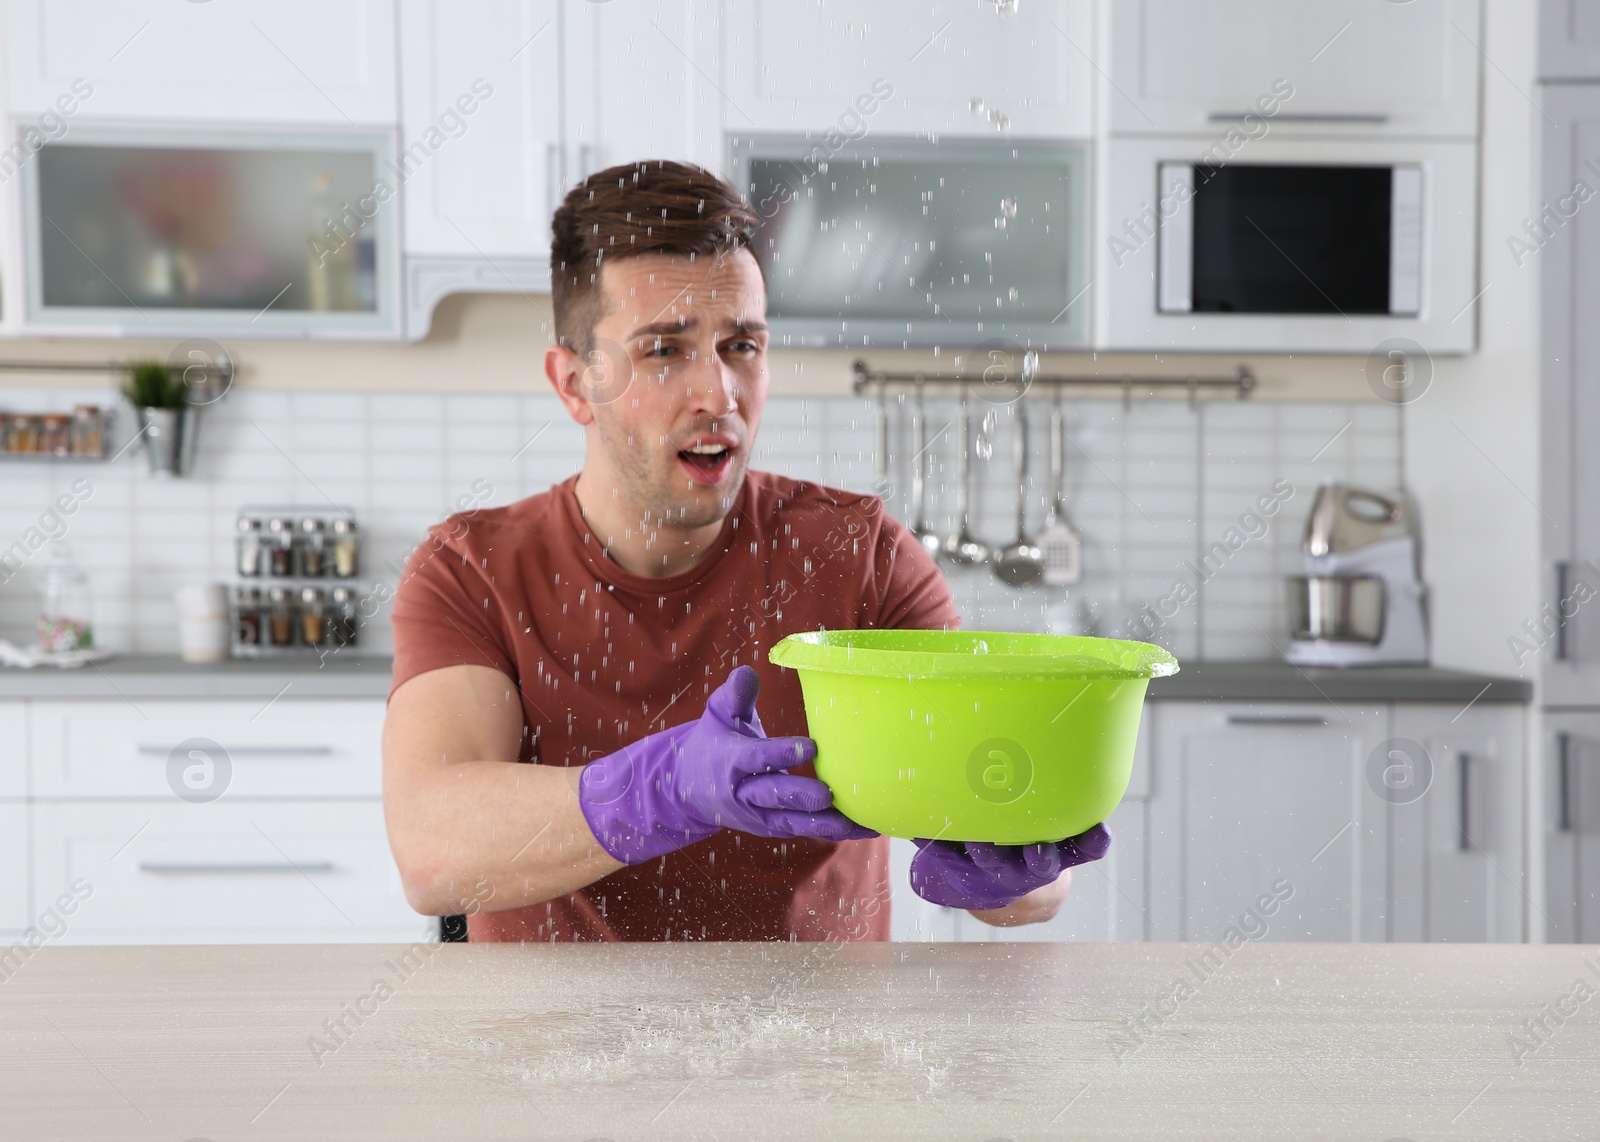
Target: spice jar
[280, 548]
[5, 432]
[55, 435]
[280, 617]
[250, 547]
[88, 433]
[311, 625]
[342, 621]
[344, 548]
[313, 549]
[24, 434]
[247, 612]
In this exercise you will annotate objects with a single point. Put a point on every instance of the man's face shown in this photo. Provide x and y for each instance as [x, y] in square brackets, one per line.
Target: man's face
[677, 434]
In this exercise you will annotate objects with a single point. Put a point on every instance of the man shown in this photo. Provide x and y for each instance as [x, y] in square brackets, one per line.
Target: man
[614, 631]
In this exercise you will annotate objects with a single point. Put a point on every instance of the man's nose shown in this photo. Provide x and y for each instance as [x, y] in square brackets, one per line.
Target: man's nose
[713, 387]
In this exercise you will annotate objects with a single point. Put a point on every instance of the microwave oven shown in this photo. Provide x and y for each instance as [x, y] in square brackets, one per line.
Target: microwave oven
[901, 242]
[1293, 238]
[1296, 244]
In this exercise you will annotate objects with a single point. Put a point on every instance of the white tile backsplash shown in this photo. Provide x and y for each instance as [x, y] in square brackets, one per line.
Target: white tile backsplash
[1151, 487]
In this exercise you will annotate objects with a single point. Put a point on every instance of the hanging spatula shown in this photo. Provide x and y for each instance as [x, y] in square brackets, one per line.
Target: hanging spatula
[1059, 542]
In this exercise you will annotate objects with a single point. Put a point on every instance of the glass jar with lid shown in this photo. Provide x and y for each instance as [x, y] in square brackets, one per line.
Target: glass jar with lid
[345, 548]
[313, 548]
[88, 431]
[280, 617]
[247, 617]
[66, 613]
[24, 434]
[280, 548]
[55, 434]
[251, 547]
[343, 623]
[313, 630]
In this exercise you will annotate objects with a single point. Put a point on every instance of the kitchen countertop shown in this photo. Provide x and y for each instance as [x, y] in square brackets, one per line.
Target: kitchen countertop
[340, 677]
[803, 1041]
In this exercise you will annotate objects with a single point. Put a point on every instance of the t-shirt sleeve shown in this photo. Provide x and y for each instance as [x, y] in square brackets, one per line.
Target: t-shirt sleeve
[912, 592]
[445, 613]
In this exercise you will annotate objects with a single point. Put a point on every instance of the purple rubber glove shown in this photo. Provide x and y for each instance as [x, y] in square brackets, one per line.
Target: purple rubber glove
[981, 876]
[681, 785]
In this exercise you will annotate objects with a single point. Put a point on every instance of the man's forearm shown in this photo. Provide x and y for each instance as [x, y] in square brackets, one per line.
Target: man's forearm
[485, 836]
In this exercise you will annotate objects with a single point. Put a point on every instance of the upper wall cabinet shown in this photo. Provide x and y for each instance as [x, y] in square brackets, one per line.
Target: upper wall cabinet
[480, 148]
[641, 83]
[303, 62]
[944, 67]
[482, 163]
[1569, 39]
[1355, 66]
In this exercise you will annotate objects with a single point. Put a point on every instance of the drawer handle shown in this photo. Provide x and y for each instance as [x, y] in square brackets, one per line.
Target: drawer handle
[262, 750]
[202, 867]
[1373, 118]
[1276, 720]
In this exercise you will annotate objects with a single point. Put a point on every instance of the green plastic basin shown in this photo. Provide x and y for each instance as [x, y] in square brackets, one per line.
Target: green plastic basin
[973, 735]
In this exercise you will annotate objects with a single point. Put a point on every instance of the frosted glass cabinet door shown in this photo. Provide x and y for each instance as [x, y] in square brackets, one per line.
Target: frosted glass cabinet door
[953, 67]
[1266, 800]
[244, 61]
[481, 164]
[1365, 67]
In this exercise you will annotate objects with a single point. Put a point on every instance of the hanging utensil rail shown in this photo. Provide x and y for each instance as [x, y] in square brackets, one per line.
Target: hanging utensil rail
[1243, 382]
[223, 371]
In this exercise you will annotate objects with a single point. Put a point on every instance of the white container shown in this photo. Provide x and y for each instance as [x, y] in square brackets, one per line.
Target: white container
[205, 629]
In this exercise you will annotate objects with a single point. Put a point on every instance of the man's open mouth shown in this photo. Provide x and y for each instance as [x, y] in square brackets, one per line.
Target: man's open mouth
[707, 462]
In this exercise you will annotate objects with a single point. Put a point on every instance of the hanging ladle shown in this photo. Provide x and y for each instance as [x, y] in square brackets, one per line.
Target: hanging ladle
[960, 548]
[931, 540]
[1020, 562]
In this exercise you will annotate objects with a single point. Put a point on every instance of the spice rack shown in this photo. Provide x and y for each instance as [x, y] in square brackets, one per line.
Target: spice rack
[82, 434]
[295, 589]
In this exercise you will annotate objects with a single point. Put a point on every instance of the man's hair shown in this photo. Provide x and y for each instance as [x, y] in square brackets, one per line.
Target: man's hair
[651, 207]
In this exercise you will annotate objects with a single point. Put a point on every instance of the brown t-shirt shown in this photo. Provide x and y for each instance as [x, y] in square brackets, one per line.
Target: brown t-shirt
[603, 657]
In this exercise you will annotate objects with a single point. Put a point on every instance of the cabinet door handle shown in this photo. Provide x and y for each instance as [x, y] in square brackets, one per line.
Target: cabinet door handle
[1369, 117]
[552, 177]
[1562, 568]
[210, 867]
[1463, 801]
[241, 750]
[1563, 782]
[1276, 720]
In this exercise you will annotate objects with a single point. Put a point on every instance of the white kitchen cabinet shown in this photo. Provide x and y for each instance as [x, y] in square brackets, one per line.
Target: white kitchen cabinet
[1258, 799]
[1367, 67]
[286, 748]
[478, 186]
[15, 915]
[1569, 39]
[299, 62]
[954, 67]
[1571, 832]
[226, 872]
[1566, 245]
[641, 83]
[13, 750]
[1456, 855]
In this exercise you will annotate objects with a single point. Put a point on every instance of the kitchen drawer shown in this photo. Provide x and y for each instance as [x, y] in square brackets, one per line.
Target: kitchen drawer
[278, 749]
[13, 749]
[223, 873]
[14, 914]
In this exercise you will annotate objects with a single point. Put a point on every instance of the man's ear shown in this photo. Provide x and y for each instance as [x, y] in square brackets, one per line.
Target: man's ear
[565, 370]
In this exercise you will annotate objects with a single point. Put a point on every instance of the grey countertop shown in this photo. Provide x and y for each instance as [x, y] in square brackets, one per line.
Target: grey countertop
[156, 677]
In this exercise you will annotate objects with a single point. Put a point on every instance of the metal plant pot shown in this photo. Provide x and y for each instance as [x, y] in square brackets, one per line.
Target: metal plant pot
[170, 436]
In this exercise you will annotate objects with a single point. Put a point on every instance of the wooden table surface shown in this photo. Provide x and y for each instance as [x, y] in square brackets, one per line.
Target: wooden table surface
[974, 1041]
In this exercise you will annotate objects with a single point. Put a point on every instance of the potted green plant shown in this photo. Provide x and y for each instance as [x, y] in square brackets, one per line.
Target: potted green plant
[168, 424]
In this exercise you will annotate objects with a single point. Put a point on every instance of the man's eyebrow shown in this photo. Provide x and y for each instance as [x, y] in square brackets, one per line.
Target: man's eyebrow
[670, 328]
[664, 328]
